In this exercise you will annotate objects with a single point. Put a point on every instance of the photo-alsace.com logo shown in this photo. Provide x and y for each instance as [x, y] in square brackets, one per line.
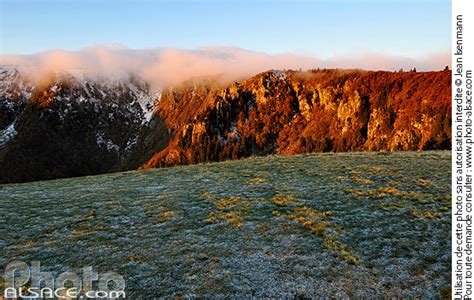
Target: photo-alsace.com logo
[22, 281]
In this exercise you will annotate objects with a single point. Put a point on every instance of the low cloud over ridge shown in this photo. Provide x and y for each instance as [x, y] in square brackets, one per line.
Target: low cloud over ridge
[165, 66]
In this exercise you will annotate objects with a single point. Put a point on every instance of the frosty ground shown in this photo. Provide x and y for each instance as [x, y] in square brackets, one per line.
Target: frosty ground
[343, 225]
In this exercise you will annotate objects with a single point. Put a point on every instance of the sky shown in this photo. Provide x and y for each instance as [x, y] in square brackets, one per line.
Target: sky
[323, 28]
[168, 41]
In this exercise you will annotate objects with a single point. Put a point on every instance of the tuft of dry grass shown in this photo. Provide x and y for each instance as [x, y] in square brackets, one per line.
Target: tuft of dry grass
[378, 193]
[165, 215]
[257, 180]
[208, 196]
[233, 218]
[282, 200]
[136, 259]
[393, 206]
[425, 182]
[431, 215]
[361, 180]
[375, 169]
[226, 203]
[229, 210]
[319, 224]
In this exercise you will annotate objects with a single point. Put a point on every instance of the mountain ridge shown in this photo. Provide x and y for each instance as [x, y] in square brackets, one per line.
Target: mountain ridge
[74, 126]
[318, 111]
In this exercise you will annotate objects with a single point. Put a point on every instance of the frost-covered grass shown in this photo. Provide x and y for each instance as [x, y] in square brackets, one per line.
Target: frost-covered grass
[359, 224]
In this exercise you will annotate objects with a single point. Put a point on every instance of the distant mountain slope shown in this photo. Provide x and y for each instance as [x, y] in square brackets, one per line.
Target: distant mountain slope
[73, 125]
[70, 126]
[297, 112]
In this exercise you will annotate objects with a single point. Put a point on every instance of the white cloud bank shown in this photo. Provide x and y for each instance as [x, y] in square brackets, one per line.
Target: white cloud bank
[164, 66]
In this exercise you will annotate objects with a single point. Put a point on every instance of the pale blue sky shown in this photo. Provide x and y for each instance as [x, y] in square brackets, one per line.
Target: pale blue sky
[322, 27]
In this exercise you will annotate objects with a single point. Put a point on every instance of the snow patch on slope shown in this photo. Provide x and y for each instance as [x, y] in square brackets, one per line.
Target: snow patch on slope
[279, 74]
[145, 101]
[102, 141]
[114, 87]
[12, 83]
[7, 134]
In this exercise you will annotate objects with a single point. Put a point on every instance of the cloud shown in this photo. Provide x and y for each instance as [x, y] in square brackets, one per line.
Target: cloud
[165, 66]
[379, 61]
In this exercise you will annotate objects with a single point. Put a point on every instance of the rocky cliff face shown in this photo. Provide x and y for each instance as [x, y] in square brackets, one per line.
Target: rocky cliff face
[73, 126]
[297, 112]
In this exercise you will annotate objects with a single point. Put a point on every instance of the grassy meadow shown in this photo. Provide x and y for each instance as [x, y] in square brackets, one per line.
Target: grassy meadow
[342, 225]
